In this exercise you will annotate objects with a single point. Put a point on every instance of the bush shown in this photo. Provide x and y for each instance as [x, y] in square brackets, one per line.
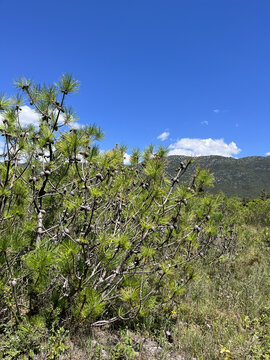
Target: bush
[85, 238]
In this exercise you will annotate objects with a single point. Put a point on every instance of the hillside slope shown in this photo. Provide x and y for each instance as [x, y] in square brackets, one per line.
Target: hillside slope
[245, 177]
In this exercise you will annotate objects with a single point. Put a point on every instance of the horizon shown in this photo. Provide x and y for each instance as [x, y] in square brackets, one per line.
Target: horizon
[193, 77]
[230, 157]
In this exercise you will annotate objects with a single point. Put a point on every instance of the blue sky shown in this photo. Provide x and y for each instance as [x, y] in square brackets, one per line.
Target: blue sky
[194, 73]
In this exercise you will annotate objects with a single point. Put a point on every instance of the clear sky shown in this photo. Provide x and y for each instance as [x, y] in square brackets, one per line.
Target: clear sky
[192, 75]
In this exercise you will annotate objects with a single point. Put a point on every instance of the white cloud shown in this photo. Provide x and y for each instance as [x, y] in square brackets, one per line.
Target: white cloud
[203, 147]
[267, 154]
[204, 122]
[216, 111]
[29, 116]
[2, 144]
[74, 125]
[164, 136]
[126, 159]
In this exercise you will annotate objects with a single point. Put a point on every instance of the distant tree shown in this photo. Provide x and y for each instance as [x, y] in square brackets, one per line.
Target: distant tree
[264, 195]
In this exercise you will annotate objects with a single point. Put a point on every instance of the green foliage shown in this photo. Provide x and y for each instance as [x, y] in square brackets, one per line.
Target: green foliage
[88, 241]
[67, 84]
[4, 102]
[57, 343]
[123, 350]
[39, 262]
[23, 341]
[89, 304]
[78, 226]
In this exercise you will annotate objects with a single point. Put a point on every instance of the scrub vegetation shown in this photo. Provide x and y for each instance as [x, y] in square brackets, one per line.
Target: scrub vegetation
[89, 245]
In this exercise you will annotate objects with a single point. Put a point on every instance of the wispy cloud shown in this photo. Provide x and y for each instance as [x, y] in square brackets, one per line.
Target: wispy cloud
[203, 147]
[216, 111]
[205, 122]
[267, 154]
[164, 136]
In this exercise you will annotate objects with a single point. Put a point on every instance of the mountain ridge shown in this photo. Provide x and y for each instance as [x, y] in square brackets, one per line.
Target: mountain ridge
[243, 177]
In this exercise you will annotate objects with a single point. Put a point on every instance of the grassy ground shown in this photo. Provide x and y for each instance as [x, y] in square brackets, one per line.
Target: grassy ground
[225, 312]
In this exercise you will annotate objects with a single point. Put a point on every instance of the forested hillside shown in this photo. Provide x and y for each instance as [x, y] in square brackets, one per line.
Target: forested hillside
[244, 177]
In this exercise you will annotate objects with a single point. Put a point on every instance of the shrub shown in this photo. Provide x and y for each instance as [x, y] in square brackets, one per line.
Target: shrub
[84, 237]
